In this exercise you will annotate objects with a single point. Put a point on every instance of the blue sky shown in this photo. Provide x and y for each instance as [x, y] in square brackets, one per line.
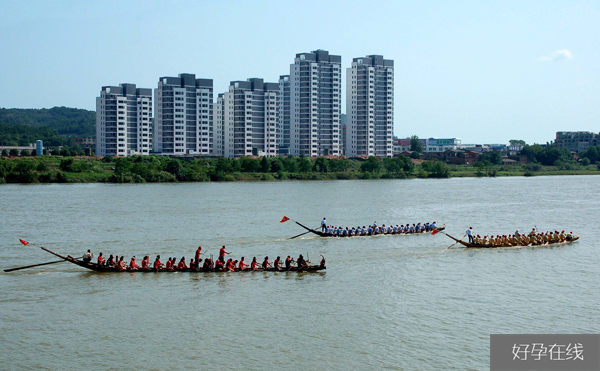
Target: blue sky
[483, 71]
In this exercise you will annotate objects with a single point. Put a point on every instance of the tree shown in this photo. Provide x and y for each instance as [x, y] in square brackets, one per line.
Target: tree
[290, 164]
[320, 165]
[304, 165]
[13, 152]
[436, 169]
[173, 166]
[517, 142]
[25, 152]
[4, 152]
[372, 165]
[249, 165]
[45, 152]
[416, 144]
[416, 155]
[494, 157]
[265, 165]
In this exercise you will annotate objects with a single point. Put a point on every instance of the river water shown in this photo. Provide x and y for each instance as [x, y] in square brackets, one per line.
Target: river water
[385, 302]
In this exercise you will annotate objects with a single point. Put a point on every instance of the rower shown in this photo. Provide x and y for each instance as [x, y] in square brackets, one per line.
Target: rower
[369, 231]
[145, 262]
[100, 259]
[132, 265]
[157, 264]
[219, 266]
[242, 265]
[322, 264]
[288, 262]
[207, 265]
[87, 257]
[301, 263]
[323, 225]
[111, 261]
[182, 266]
[265, 263]
[254, 264]
[363, 231]
[412, 228]
[229, 265]
[470, 234]
[168, 263]
[222, 253]
[277, 263]
[192, 263]
[517, 234]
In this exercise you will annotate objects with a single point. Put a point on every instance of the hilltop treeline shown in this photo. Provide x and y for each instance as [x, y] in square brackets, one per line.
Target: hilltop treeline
[64, 120]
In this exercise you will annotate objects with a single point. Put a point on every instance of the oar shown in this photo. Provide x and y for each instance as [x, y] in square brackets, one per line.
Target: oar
[34, 265]
[455, 242]
[301, 234]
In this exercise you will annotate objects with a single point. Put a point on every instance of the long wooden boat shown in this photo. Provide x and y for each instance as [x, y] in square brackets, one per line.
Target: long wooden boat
[102, 268]
[324, 234]
[475, 246]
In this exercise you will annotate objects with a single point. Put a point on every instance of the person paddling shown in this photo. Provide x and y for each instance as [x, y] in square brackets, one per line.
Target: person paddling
[100, 259]
[87, 257]
[157, 263]
[132, 264]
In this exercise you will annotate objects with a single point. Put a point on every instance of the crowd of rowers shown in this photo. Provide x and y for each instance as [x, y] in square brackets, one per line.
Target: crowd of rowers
[517, 239]
[374, 229]
[201, 265]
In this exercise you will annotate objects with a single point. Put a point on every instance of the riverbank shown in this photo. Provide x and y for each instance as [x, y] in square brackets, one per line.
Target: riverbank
[157, 169]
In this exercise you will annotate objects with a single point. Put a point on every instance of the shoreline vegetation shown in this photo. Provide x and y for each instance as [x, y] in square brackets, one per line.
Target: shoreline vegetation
[159, 169]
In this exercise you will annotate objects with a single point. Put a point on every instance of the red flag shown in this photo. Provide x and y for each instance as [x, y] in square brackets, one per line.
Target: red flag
[25, 243]
[284, 219]
[436, 231]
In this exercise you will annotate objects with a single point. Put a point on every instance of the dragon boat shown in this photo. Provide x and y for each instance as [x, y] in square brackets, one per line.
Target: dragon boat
[325, 234]
[488, 246]
[103, 268]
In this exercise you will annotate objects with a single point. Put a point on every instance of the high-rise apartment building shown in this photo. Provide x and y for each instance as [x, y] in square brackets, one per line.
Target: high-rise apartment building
[184, 117]
[315, 104]
[123, 121]
[219, 141]
[283, 127]
[370, 107]
[250, 118]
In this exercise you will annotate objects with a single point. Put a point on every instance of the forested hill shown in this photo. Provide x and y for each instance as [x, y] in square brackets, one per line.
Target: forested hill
[66, 121]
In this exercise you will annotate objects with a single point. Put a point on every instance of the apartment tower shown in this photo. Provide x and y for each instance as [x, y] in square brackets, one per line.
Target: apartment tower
[370, 107]
[250, 118]
[315, 104]
[283, 127]
[184, 117]
[123, 121]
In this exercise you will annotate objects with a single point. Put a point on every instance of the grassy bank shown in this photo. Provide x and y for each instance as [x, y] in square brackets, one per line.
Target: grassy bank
[148, 169]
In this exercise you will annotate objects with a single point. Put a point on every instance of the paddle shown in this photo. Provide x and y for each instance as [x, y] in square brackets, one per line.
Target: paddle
[301, 234]
[34, 265]
[455, 242]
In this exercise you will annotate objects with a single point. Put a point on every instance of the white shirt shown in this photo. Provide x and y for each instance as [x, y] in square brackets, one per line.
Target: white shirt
[469, 232]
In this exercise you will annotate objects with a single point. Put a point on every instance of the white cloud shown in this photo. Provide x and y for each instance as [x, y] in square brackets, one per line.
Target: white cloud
[559, 55]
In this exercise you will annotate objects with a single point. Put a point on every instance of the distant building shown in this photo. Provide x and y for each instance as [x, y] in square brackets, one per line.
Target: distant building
[315, 104]
[283, 127]
[250, 118]
[576, 141]
[442, 144]
[184, 116]
[370, 105]
[123, 121]
[85, 141]
[430, 145]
